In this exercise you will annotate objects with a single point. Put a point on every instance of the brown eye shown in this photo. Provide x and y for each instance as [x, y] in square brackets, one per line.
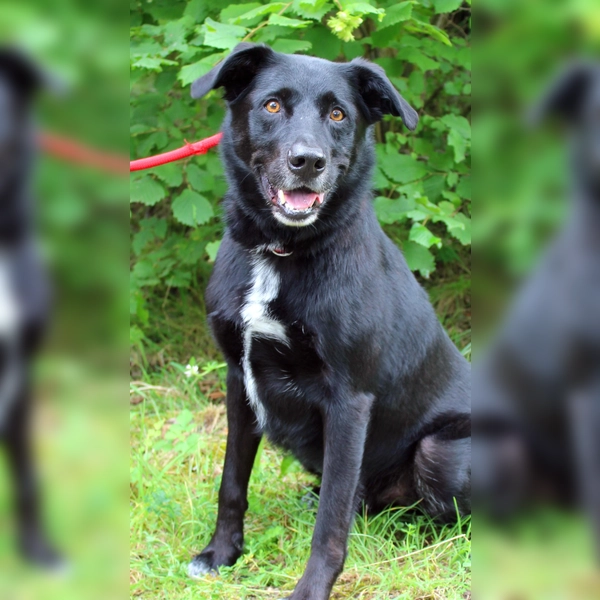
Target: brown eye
[273, 106]
[337, 115]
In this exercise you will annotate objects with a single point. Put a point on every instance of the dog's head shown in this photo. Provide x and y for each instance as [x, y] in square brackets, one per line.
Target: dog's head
[298, 125]
[574, 98]
[20, 79]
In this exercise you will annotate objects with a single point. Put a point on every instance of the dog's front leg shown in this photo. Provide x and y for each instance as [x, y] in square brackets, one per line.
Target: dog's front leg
[345, 427]
[226, 544]
[32, 539]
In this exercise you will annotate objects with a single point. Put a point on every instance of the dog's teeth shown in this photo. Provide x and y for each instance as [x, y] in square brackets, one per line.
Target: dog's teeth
[281, 196]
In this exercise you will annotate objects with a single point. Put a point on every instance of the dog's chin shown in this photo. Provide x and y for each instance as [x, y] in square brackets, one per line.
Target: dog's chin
[295, 207]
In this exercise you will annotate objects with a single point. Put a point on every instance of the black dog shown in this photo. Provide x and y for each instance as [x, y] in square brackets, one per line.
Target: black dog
[24, 294]
[333, 349]
[537, 390]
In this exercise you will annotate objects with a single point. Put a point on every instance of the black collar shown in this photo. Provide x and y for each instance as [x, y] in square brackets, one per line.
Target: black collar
[275, 248]
[278, 250]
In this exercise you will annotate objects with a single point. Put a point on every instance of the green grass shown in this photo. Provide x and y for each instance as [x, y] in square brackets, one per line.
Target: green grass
[178, 430]
[81, 441]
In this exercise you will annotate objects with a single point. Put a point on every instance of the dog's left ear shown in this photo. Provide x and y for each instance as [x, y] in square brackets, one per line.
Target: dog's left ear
[236, 72]
[378, 94]
[566, 96]
[25, 75]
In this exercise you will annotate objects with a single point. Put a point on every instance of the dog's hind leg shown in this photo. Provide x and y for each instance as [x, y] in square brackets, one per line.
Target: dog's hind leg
[442, 472]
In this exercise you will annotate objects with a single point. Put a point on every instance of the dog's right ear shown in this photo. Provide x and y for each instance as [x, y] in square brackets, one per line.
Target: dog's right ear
[379, 97]
[236, 72]
[566, 95]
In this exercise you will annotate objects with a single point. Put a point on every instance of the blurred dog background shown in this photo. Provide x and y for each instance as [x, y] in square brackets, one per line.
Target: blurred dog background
[24, 295]
[536, 367]
[63, 282]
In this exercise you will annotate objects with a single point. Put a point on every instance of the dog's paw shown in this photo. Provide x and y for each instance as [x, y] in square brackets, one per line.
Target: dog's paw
[203, 564]
[219, 553]
[38, 552]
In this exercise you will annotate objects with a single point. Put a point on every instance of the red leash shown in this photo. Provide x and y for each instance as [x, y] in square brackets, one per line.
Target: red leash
[201, 147]
[73, 151]
[76, 152]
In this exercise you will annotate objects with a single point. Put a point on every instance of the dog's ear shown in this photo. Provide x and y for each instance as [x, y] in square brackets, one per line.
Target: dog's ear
[566, 96]
[236, 72]
[26, 77]
[378, 94]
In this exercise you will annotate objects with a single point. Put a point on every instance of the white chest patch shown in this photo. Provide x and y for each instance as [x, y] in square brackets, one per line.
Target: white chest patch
[258, 323]
[9, 326]
[9, 307]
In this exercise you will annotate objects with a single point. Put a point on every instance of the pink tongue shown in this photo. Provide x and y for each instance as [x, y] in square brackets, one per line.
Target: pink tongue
[300, 200]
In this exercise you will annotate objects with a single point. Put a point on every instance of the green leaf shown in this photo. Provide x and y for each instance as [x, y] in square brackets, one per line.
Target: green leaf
[416, 57]
[234, 11]
[421, 27]
[192, 72]
[311, 9]
[291, 46]
[140, 239]
[452, 178]
[328, 44]
[418, 258]
[199, 179]
[144, 48]
[463, 189]
[400, 168]
[446, 6]
[211, 249]
[197, 9]
[396, 14]
[220, 35]
[144, 273]
[462, 126]
[390, 211]
[146, 190]
[152, 64]
[287, 22]
[190, 208]
[176, 32]
[362, 8]
[460, 228]
[171, 174]
[459, 143]
[433, 187]
[157, 139]
[179, 279]
[421, 235]
[149, 229]
[260, 11]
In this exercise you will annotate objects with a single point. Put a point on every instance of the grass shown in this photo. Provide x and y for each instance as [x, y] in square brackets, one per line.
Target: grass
[178, 431]
[81, 441]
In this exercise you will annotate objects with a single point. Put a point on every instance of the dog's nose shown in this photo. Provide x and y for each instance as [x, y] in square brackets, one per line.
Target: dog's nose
[306, 160]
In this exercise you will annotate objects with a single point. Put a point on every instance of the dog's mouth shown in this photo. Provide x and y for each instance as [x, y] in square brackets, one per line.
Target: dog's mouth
[293, 206]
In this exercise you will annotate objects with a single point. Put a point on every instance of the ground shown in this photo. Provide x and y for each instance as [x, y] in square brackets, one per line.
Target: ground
[178, 432]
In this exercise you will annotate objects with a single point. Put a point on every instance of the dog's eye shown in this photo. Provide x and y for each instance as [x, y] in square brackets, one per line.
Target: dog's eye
[336, 115]
[273, 106]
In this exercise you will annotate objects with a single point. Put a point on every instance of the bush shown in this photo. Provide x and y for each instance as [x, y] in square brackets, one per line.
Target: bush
[422, 181]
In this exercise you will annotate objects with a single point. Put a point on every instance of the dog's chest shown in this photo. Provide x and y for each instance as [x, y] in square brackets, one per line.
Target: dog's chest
[277, 356]
[10, 316]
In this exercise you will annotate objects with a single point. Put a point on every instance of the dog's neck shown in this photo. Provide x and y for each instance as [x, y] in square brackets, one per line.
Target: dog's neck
[15, 210]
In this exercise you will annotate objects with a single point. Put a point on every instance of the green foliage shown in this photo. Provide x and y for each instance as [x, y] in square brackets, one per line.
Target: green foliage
[422, 181]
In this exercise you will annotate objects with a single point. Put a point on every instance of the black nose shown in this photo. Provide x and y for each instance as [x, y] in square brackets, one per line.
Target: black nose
[306, 160]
